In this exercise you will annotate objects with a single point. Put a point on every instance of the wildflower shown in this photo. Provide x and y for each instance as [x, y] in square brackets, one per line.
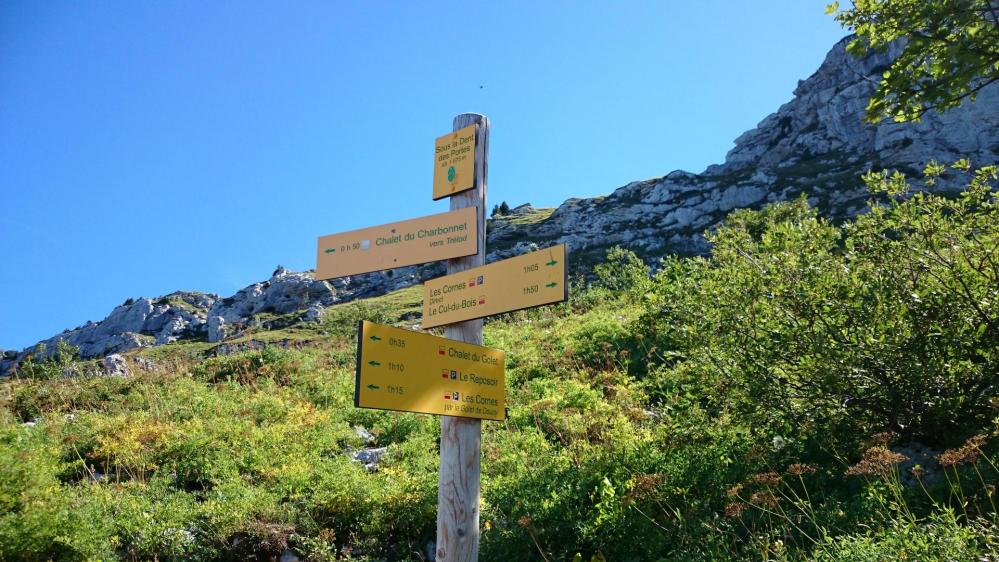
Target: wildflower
[878, 461]
[967, 453]
[734, 491]
[764, 498]
[524, 521]
[767, 478]
[734, 510]
[645, 485]
[882, 439]
[542, 405]
[779, 443]
[797, 469]
[917, 471]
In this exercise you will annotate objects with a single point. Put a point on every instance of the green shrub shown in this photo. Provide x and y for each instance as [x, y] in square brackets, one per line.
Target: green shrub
[940, 538]
[888, 323]
[39, 365]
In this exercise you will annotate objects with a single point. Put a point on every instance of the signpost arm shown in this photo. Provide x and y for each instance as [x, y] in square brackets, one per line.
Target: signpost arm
[458, 486]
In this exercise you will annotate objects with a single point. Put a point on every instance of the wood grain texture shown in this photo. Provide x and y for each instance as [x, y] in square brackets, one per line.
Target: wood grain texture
[458, 485]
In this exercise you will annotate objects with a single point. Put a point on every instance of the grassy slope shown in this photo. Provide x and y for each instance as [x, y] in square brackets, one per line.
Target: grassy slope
[256, 444]
[248, 454]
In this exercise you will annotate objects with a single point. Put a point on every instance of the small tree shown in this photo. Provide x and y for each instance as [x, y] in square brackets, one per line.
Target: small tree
[504, 209]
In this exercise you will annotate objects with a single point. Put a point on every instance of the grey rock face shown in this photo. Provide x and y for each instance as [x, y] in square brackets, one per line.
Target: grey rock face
[314, 313]
[216, 329]
[283, 293]
[521, 210]
[137, 323]
[816, 144]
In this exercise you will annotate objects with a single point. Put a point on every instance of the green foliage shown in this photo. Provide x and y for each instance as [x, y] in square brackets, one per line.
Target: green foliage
[40, 519]
[49, 367]
[891, 322]
[941, 537]
[950, 51]
[623, 272]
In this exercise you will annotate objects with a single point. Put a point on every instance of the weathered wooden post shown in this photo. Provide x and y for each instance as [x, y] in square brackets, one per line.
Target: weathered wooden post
[458, 488]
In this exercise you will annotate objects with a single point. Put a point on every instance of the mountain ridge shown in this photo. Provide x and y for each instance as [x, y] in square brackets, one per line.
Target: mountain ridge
[816, 144]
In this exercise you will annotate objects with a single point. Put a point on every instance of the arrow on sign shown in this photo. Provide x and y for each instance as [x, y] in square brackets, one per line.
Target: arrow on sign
[551, 285]
[376, 338]
[374, 363]
[330, 250]
[551, 263]
[373, 387]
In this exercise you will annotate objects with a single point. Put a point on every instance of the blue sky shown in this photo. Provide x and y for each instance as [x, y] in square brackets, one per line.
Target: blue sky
[147, 147]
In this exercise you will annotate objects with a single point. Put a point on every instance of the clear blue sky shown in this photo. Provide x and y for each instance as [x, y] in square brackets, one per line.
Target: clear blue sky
[147, 147]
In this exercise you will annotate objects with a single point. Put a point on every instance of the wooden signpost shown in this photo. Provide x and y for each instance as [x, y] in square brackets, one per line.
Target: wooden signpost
[520, 282]
[397, 244]
[461, 438]
[454, 376]
[414, 372]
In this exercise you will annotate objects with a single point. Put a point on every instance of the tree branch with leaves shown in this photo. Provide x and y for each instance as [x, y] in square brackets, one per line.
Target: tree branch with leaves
[950, 52]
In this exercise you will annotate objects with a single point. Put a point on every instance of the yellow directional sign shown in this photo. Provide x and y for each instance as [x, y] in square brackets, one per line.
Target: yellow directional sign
[414, 372]
[436, 237]
[525, 281]
[454, 162]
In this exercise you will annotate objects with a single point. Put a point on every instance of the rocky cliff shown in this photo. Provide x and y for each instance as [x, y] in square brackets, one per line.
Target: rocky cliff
[816, 144]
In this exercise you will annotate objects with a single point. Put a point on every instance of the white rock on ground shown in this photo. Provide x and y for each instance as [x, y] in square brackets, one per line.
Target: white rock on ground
[116, 365]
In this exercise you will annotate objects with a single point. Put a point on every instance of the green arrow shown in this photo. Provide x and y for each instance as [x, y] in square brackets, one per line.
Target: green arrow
[330, 250]
[374, 363]
[373, 387]
[551, 263]
[551, 285]
[376, 338]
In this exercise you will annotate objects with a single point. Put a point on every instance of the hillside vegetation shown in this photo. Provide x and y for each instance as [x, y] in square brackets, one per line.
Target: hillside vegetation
[806, 392]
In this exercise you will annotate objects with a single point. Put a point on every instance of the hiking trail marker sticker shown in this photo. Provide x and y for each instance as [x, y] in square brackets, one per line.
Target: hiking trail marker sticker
[524, 281]
[454, 162]
[410, 371]
[453, 234]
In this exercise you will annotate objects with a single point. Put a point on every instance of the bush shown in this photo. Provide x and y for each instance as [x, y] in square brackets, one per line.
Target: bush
[888, 323]
[39, 365]
[939, 538]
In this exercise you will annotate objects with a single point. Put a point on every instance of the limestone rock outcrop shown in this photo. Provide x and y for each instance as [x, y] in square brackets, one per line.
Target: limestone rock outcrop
[817, 144]
[135, 323]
